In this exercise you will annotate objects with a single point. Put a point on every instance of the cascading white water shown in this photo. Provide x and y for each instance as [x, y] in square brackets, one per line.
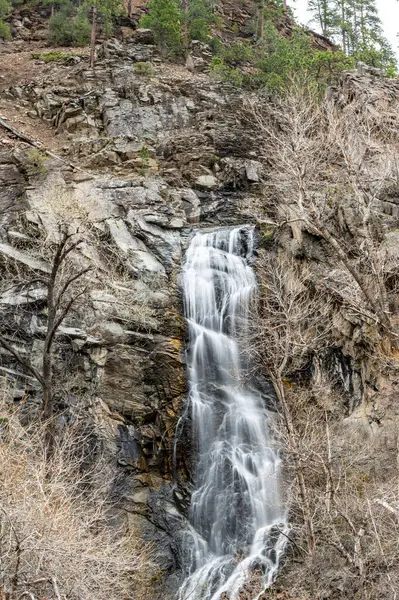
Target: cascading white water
[235, 513]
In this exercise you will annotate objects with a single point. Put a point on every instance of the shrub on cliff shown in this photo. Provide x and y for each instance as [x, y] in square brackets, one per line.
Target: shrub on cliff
[69, 29]
[164, 17]
[199, 17]
[280, 58]
[5, 11]
[275, 59]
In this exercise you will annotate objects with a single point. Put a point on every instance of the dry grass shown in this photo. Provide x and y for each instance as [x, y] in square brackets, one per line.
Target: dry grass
[55, 540]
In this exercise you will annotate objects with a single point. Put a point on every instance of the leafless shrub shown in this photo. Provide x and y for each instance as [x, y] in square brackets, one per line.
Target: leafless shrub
[354, 513]
[55, 539]
[327, 170]
[344, 516]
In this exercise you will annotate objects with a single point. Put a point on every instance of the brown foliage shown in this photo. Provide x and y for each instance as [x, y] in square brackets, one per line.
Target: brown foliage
[326, 172]
[55, 539]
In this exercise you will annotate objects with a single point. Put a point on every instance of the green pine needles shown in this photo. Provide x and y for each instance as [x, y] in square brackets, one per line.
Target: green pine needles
[5, 11]
[356, 25]
[68, 26]
[165, 19]
[275, 60]
[174, 24]
[199, 18]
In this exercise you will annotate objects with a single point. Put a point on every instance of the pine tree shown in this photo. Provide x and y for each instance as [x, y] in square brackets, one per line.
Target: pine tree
[55, 4]
[164, 17]
[360, 29]
[199, 17]
[341, 14]
[368, 42]
[5, 11]
[367, 26]
[324, 15]
[67, 27]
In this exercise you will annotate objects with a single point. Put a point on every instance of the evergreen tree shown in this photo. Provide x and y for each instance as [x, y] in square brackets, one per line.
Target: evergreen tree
[324, 15]
[341, 10]
[67, 27]
[55, 4]
[199, 17]
[365, 35]
[5, 11]
[164, 17]
[359, 27]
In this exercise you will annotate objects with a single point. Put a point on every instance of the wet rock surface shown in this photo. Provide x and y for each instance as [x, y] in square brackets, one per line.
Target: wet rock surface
[158, 154]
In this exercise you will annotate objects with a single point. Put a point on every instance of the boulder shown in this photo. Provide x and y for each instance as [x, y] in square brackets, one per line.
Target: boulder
[142, 36]
[15, 296]
[9, 175]
[253, 169]
[165, 244]
[207, 182]
[109, 332]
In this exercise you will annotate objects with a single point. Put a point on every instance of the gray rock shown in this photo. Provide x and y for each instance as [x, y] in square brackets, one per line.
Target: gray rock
[165, 244]
[390, 245]
[141, 258]
[156, 219]
[98, 356]
[122, 236]
[140, 53]
[190, 63]
[191, 205]
[33, 262]
[142, 36]
[109, 331]
[19, 297]
[9, 174]
[207, 181]
[253, 169]
[127, 119]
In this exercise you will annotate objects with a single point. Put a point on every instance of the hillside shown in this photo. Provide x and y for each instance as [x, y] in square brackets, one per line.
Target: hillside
[107, 176]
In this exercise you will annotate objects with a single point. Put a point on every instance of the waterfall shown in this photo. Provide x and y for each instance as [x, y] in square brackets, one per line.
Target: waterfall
[236, 516]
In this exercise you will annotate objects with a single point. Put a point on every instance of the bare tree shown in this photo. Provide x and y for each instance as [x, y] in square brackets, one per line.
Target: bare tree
[290, 328]
[350, 517]
[327, 170]
[65, 286]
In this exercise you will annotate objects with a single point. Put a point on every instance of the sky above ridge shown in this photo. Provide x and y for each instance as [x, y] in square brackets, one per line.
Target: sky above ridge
[389, 14]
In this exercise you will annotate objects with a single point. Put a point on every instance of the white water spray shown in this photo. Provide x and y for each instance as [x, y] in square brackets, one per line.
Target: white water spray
[236, 514]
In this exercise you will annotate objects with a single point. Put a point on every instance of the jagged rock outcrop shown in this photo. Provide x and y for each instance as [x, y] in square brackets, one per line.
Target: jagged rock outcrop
[156, 155]
[147, 154]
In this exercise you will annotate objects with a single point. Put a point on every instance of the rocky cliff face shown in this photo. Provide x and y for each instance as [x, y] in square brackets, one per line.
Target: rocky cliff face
[137, 154]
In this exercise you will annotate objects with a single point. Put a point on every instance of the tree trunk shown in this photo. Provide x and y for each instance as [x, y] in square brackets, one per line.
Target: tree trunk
[47, 364]
[343, 27]
[47, 385]
[293, 442]
[262, 21]
[285, 6]
[93, 36]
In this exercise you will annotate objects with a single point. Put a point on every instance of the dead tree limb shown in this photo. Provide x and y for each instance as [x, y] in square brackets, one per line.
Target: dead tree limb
[37, 145]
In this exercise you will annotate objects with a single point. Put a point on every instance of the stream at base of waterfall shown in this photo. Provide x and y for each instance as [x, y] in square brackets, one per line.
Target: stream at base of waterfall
[237, 530]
